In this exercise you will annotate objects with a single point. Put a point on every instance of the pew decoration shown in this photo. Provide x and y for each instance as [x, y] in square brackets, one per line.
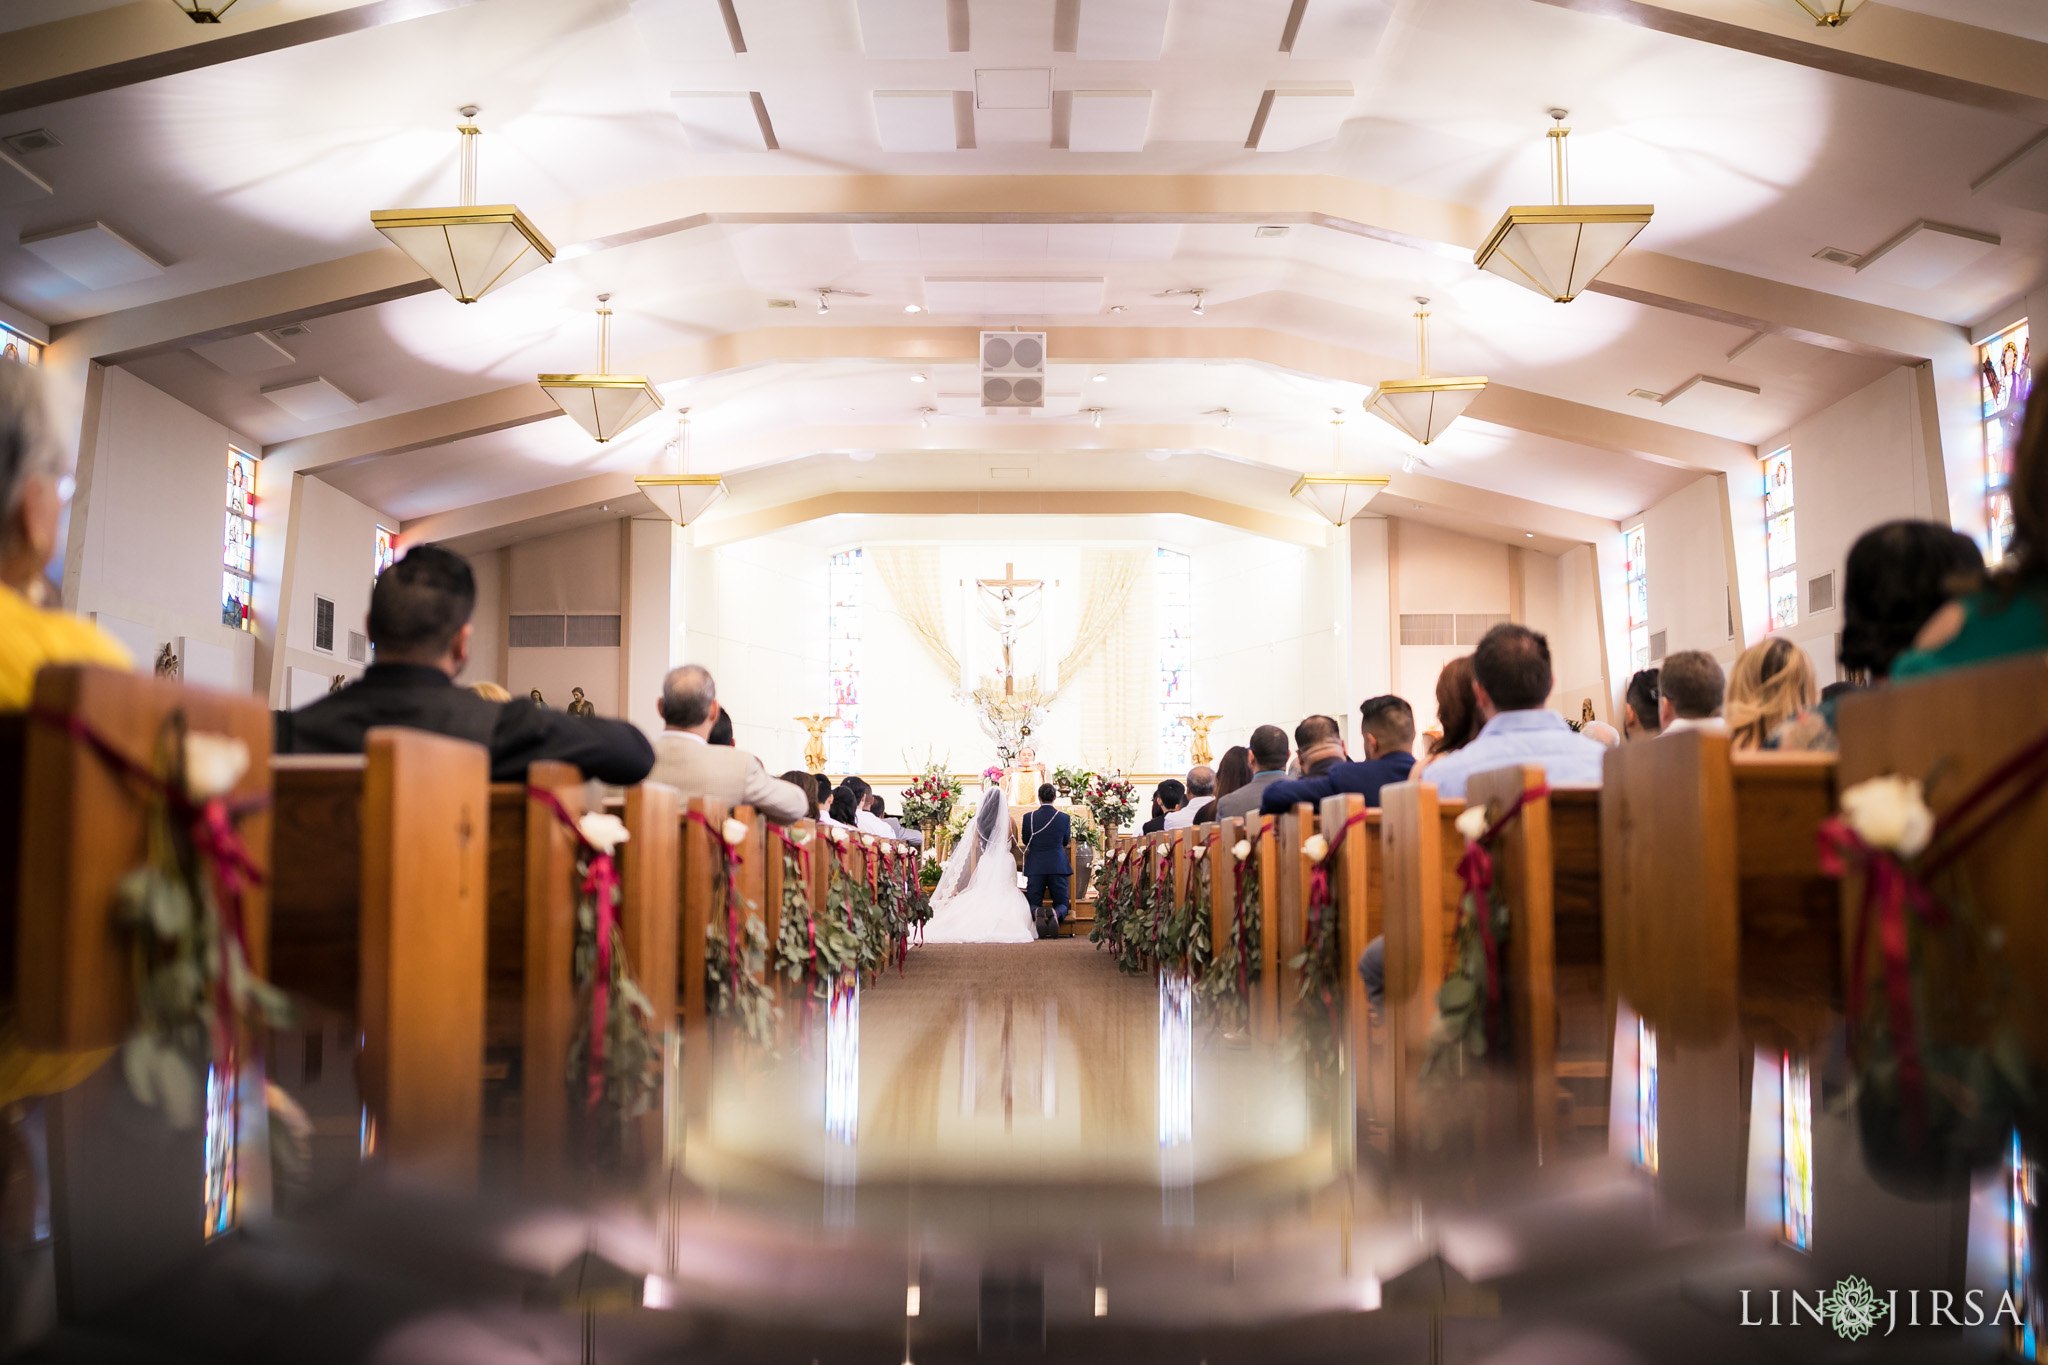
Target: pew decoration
[196, 996]
[1119, 903]
[1180, 925]
[812, 953]
[1321, 972]
[1937, 1090]
[1471, 1020]
[736, 943]
[1226, 989]
[615, 1053]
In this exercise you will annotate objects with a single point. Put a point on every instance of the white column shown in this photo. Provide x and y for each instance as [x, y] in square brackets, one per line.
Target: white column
[1371, 619]
[650, 633]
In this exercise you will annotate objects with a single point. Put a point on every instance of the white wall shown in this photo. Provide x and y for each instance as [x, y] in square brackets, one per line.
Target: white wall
[754, 614]
[332, 555]
[1570, 615]
[1434, 570]
[1372, 628]
[487, 661]
[1269, 642]
[1685, 540]
[152, 508]
[576, 572]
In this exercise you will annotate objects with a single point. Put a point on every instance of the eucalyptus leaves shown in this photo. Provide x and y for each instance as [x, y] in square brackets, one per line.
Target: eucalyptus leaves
[615, 1055]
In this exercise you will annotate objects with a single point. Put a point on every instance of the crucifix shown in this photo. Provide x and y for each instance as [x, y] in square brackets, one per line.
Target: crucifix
[1006, 592]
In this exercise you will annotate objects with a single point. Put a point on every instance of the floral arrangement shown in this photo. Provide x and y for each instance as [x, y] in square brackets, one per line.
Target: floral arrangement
[197, 1001]
[615, 1053]
[1321, 971]
[811, 952]
[736, 946]
[1070, 782]
[928, 802]
[1226, 988]
[1111, 798]
[1121, 901]
[992, 775]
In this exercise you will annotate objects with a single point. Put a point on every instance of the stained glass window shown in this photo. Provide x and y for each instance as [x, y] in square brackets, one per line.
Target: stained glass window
[387, 541]
[1638, 576]
[2004, 382]
[1646, 1096]
[1173, 588]
[843, 586]
[222, 1114]
[1781, 546]
[238, 543]
[19, 346]
[1795, 1112]
[2022, 1200]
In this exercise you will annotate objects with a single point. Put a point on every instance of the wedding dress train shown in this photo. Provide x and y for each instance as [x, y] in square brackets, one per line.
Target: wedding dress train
[977, 900]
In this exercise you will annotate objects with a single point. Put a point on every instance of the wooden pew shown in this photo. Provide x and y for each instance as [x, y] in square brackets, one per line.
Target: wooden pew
[378, 916]
[1720, 933]
[1420, 848]
[1290, 906]
[127, 1193]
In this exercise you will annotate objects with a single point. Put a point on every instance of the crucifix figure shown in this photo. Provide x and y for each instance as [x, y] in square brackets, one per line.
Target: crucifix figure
[1005, 594]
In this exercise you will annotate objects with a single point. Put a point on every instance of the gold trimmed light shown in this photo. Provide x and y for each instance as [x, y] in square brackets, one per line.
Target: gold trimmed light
[603, 404]
[1560, 248]
[1828, 14]
[682, 495]
[1421, 408]
[204, 11]
[1336, 495]
[473, 248]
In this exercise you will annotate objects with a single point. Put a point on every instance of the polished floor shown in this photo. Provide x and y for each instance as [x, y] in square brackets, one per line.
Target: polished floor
[1048, 1158]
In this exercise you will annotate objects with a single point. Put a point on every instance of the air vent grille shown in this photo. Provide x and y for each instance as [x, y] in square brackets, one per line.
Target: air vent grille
[32, 140]
[594, 632]
[358, 647]
[1820, 593]
[1429, 628]
[323, 625]
[538, 632]
[1472, 626]
[1657, 645]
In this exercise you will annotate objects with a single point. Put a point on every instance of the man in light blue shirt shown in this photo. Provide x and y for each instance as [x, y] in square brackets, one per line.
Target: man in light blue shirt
[1511, 679]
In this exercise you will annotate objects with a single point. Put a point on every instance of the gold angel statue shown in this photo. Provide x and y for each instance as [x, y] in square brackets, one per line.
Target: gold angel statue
[814, 747]
[1198, 727]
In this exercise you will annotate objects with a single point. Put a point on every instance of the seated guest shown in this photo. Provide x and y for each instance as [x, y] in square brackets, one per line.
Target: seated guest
[1168, 797]
[1639, 717]
[1232, 773]
[2009, 615]
[1689, 689]
[897, 829]
[1318, 744]
[843, 809]
[1511, 680]
[864, 819]
[31, 466]
[1201, 790]
[1772, 682]
[822, 790]
[1268, 754]
[688, 762]
[721, 730]
[1897, 576]
[1388, 727]
[801, 780]
[419, 631]
[1457, 712]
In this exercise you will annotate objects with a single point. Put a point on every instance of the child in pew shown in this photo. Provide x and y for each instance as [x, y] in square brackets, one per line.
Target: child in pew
[419, 628]
[32, 477]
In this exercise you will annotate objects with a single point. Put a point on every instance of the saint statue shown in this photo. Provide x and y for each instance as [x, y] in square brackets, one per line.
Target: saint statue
[814, 747]
[580, 705]
[1198, 728]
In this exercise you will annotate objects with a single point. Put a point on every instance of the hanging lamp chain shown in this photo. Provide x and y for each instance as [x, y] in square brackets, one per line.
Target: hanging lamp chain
[1422, 338]
[1560, 182]
[466, 191]
[604, 334]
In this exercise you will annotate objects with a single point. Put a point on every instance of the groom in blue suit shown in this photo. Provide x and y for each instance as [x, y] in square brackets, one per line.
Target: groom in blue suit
[1046, 831]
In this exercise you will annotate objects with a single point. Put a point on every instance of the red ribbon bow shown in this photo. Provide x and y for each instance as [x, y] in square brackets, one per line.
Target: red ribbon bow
[1475, 870]
[601, 883]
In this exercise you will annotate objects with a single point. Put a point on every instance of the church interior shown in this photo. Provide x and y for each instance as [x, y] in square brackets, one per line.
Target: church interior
[1488, 577]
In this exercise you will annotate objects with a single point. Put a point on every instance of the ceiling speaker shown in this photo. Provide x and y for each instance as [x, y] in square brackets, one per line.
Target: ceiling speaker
[1012, 370]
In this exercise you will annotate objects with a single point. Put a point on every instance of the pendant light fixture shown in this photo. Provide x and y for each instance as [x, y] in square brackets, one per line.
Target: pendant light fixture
[603, 404]
[1421, 408]
[1337, 495]
[472, 248]
[682, 495]
[1559, 249]
[1828, 14]
[204, 11]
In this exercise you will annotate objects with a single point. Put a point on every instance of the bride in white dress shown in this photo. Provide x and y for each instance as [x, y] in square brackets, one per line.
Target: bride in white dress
[977, 900]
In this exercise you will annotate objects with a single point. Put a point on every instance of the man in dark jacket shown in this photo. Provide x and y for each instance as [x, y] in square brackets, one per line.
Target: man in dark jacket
[419, 627]
[1047, 832]
[1388, 724]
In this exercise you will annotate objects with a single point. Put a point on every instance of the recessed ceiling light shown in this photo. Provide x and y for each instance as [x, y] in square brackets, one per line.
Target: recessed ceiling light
[1528, 535]
[782, 303]
[1270, 230]
[1834, 255]
[1116, 308]
[1647, 395]
[913, 308]
[918, 378]
[1102, 376]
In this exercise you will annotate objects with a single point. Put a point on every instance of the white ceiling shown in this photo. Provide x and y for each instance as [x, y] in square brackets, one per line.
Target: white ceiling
[273, 163]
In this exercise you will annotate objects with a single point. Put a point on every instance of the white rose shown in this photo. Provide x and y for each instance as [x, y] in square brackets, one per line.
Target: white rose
[734, 831]
[1163, 850]
[1472, 823]
[1315, 848]
[834, 832]
[213, 764]
[799, 836]
[602, 831]
[1890, 813]
[868, 839]
[1241, 850]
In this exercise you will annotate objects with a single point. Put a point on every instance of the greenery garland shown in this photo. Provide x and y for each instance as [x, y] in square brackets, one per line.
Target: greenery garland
[1225, 989]
[736, 972]
[1117, 923]
[631, 1079]
[1458, 1034]
[1321, 973]
[811, 953]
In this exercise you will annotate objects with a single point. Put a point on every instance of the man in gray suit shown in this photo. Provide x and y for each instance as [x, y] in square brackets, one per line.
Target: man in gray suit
[686, 760]
[1269, 764]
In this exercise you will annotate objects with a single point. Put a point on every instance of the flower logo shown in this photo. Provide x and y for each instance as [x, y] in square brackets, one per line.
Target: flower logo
[1853, 1308]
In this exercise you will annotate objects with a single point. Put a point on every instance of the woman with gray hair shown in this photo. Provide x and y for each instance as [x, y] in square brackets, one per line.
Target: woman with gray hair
[32, 470]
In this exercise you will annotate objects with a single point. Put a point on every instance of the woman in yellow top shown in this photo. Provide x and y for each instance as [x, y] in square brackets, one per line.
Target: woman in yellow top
[31, 465]
[31, 468]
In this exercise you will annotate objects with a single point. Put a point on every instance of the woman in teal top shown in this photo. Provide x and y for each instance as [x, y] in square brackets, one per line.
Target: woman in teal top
[2010, 616]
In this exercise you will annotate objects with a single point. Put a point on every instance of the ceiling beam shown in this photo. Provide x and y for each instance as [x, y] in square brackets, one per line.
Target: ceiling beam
[1900, 48]
[107, 49]
[1443, 229]
[724, 530]
[1501, 405]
